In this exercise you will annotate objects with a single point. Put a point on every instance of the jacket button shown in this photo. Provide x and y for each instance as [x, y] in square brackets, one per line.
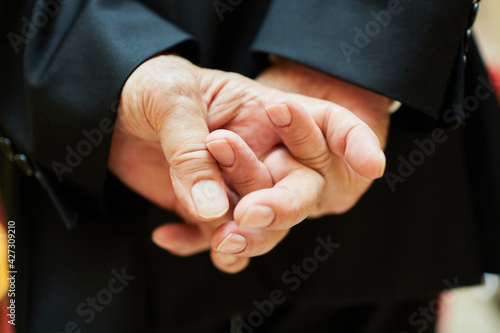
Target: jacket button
[22, 162]
[6, 148]
[473, 13]
[467, 38]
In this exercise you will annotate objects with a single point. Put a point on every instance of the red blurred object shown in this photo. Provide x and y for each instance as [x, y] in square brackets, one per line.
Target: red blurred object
[494, 74]
[5, 327]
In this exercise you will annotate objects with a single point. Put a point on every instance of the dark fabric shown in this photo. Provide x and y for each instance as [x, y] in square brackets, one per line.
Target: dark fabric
[418, 315]
[116, 36]
[356, 41]
[482, 135]
[428, 225]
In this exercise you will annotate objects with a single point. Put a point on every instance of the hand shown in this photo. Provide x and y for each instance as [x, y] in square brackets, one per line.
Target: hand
[344, 187]
[308, 145]
[158, 147]
[158, 150]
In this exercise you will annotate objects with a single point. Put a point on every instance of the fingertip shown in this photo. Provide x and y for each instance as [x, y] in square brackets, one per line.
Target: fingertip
[233, 243]
[368, 166]
[165, 233]
[363, 153]
[383, 162]
[228, 263]
[222, 151]
[242, 168]
[257, 216]
[279, 114]
[163, 239]
[179, 239]
[210, 199]
[157, 237]
[219, 134]
[225, 259]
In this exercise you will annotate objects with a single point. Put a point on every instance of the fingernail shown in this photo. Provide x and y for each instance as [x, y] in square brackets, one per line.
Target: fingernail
[222, 151]
[209, 198]
[226, 259]
[257, 217]
[279, 114]
[232, 244]
[382, 158]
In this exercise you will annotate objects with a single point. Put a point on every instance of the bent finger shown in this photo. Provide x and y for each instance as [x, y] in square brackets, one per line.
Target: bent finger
[240, 165]
[288, 202]
[228, 263]
[347, 136]
[183, 240]
[354, 141]
[230, 239]
[300, 134]
[180, 238]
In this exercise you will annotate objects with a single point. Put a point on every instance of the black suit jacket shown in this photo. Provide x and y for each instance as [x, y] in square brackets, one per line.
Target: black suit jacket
[429, 224]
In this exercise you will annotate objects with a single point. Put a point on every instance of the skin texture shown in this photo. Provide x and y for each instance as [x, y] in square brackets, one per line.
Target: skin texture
[268, 143]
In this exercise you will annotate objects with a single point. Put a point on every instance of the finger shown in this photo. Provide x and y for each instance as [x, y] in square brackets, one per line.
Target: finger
[232, 240]
[240, 165]
[246, 174]
[185, 240]
[295, 194]
[300, 134]
[189, 237]
[291, 199]
[181, 239]
[347, 136]
[249, 174]
[354, 141]
[196, 177]
[228, 263]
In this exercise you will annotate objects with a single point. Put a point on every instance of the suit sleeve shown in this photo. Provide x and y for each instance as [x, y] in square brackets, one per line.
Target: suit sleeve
[406, 50]
[75, 65]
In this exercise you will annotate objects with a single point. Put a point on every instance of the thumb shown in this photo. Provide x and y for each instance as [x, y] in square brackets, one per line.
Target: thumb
[347, 136]
[181, 125]
[355, 142]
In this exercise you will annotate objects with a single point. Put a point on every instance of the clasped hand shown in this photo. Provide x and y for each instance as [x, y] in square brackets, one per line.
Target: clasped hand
[241, 161]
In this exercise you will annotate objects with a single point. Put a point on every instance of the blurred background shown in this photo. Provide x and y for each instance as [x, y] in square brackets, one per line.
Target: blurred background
[477, 309]
[465, 310]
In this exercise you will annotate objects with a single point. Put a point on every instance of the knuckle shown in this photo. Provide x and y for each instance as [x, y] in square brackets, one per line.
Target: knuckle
[320, 160]
[190, 159]
[297, 210]
[241, 177]
[336, 205]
